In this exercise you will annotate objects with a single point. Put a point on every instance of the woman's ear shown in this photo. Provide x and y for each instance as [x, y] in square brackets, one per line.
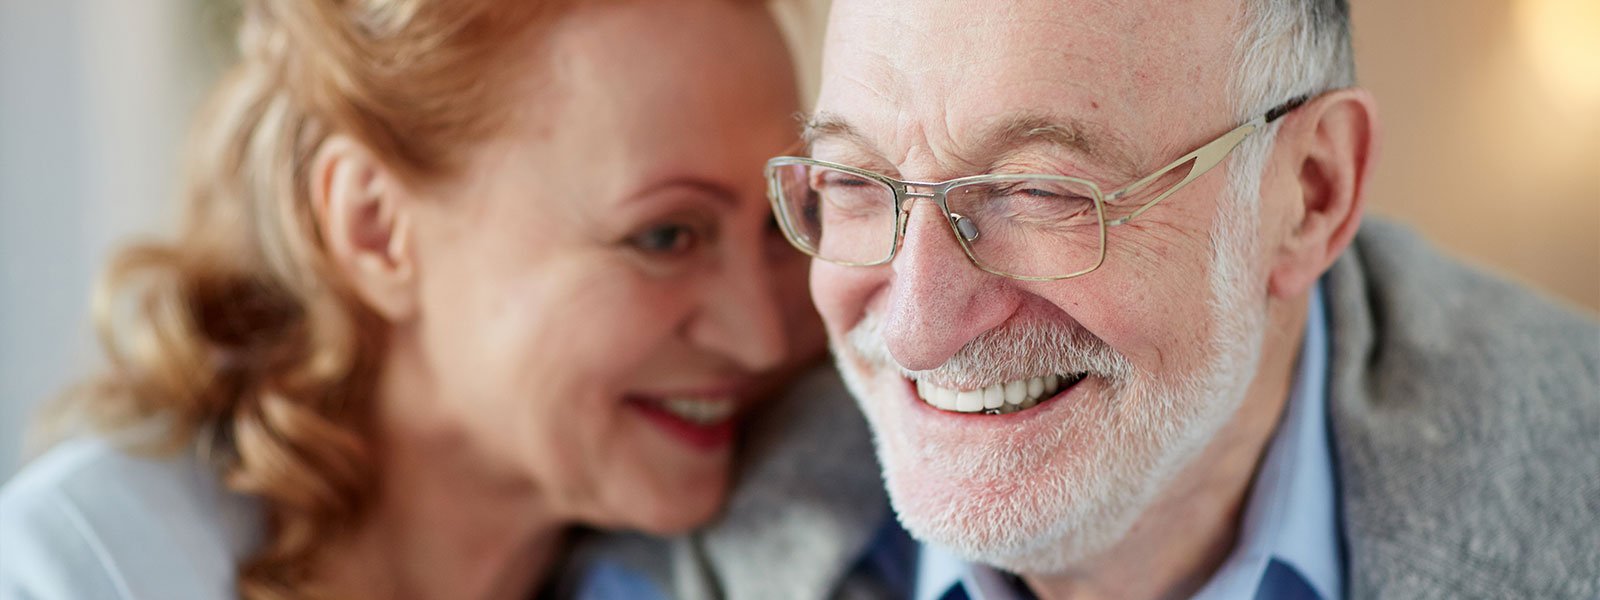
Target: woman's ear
[1332, 144]
[363, 215]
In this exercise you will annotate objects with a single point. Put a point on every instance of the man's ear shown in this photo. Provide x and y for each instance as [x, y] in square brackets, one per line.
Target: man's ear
[1332, 144]
[363, 215]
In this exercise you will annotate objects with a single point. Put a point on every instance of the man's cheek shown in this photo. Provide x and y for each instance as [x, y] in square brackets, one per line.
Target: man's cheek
[840, 297]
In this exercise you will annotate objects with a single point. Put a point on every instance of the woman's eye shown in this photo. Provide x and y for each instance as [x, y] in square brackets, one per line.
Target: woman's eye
[669, 239]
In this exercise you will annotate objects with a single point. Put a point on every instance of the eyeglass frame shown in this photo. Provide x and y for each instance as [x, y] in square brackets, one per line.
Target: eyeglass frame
[1205, 158]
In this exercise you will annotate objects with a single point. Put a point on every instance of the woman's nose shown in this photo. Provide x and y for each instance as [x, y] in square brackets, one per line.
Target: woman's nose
[740, 316]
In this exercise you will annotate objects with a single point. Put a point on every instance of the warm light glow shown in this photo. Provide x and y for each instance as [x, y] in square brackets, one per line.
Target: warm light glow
[1563, 38]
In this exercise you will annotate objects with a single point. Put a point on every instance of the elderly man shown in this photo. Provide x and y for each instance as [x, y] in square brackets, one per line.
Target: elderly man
[1093, 271]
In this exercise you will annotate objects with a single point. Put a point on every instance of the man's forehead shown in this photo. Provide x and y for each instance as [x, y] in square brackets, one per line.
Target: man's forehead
[911, 24]
[1086, 75]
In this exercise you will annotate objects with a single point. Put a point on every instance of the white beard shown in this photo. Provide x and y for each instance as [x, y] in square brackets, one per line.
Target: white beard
[1041, 503]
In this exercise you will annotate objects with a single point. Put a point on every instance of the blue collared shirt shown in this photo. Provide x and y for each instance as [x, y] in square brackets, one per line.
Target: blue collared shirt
[1289, 545]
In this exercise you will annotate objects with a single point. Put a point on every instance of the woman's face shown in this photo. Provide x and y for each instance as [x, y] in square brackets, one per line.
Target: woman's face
[600, 290]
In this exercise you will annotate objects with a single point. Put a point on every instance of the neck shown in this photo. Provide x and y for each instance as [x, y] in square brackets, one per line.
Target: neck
[444, 523]
[1187, 533]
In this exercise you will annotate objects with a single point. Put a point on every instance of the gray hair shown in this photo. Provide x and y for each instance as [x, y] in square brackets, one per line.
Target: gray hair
[1290, 47]
[1287, 48]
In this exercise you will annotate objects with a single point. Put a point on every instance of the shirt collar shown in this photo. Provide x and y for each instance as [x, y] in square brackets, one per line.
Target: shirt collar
[938, 571]
[1292, 514]
[1291, 517]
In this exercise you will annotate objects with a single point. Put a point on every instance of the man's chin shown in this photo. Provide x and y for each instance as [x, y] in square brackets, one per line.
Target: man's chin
[1029, 525]
[1034, 497]
[1031, 500]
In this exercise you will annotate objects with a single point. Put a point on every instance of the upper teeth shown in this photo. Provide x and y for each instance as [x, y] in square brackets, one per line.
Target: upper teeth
[1000, 398]
[703, 411]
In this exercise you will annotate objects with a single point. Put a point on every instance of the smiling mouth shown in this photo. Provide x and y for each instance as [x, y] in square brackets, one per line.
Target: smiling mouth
[1000, 398]
[704, 412]
[704, 423]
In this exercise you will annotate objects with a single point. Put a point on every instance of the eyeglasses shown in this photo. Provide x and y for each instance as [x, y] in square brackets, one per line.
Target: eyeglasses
[1028, 227]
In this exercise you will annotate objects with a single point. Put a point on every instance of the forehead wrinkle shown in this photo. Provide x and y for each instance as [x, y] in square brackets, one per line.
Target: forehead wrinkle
[877, 77]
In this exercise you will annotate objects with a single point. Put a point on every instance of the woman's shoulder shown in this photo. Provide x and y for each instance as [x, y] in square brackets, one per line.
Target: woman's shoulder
[90, 519]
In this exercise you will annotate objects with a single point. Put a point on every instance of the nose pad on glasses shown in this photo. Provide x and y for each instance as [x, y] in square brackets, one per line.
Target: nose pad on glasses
[965, 226]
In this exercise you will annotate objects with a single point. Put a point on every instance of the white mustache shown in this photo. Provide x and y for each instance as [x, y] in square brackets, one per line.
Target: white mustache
[1016, 350]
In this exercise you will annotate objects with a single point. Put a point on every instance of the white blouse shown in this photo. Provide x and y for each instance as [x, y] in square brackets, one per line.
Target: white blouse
[88, 520]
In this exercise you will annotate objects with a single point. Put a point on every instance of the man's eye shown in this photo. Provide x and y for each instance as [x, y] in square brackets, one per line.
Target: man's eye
[1032, 193]
[824, 181]
[670, 239]
[1028, 191]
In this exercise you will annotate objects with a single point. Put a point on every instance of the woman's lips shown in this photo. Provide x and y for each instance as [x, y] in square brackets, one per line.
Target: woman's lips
[702, 423]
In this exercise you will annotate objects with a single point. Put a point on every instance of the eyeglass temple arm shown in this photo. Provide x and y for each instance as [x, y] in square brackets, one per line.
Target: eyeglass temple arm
[1204, 158]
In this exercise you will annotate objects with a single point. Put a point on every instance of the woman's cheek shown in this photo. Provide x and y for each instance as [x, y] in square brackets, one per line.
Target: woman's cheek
[641, 312]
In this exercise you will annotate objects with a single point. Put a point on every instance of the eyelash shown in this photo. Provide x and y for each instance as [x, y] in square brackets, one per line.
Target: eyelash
[678, 240]
[681, 239]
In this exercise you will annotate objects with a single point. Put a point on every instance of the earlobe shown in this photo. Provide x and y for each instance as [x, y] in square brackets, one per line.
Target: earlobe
[1333, 145]
[362, 216]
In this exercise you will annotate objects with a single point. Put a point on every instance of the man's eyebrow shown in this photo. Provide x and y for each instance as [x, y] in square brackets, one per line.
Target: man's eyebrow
[824, 124]
[1008, 135]
[1022, 129]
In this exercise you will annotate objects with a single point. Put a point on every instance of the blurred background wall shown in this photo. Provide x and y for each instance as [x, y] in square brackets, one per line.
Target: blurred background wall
[94, 95]
[1492, 143]
[1492, 112]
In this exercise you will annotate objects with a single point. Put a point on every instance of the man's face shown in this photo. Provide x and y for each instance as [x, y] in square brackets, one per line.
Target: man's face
[1153, 351]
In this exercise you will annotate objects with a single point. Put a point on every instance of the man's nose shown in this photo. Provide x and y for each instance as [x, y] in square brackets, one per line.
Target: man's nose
[740, 317]
[937, 300]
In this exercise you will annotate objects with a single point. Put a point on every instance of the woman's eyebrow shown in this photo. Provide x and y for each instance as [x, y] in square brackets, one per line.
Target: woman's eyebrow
[701, 186]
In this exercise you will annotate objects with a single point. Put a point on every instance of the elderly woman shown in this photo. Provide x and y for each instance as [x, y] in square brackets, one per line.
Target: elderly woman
[457, 278]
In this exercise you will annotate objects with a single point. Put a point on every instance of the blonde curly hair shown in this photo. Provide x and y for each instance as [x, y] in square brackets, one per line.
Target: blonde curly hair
[238, 336]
